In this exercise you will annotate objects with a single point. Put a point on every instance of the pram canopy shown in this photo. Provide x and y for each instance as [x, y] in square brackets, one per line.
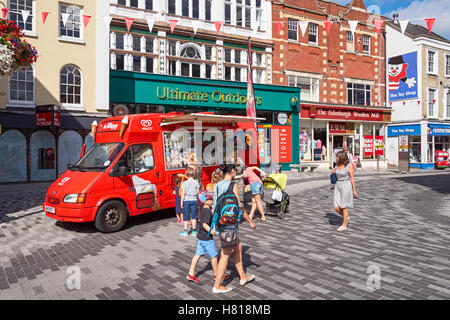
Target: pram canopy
[279, 178]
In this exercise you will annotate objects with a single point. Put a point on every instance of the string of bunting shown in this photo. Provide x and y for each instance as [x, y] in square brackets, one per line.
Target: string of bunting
[279, 25]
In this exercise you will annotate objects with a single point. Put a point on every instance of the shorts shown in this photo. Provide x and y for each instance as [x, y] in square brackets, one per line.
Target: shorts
[190, 210]
[256, 188]
[206, 246]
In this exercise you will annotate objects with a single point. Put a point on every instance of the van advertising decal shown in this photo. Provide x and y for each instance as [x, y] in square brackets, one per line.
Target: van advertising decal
[110, 126]
[146, 124]
[146, 193]
[64, 180]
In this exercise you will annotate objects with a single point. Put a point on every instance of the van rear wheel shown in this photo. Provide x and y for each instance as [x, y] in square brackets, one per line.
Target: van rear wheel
[111, 216]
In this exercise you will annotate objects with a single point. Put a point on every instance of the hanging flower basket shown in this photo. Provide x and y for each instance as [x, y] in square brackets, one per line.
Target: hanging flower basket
[15, 52]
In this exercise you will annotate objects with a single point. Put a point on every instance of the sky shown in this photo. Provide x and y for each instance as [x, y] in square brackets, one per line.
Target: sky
[414, 11]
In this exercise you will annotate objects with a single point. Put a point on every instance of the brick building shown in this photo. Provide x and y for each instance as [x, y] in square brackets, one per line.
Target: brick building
[341, 75]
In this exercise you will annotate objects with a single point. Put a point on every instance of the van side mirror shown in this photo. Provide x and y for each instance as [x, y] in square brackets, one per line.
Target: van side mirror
[69, 166]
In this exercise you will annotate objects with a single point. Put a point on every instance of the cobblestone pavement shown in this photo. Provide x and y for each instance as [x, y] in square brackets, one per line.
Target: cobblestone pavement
[399, 224]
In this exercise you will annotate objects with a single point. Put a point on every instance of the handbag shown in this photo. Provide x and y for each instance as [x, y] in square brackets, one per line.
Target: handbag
[333, 178]
[228, 238]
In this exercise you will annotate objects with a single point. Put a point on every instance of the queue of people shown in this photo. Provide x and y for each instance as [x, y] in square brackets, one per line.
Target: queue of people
[191, 199]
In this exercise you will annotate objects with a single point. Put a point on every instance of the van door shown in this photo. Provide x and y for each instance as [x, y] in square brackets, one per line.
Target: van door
[137, 178]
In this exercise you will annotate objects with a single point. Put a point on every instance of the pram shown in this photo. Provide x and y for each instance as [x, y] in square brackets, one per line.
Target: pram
[275, 198]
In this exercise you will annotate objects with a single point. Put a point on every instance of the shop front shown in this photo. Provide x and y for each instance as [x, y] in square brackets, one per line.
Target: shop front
[278, 134]
[324, 129]
[426, 139]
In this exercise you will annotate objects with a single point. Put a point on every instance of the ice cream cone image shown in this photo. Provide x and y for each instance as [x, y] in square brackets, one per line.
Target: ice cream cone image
[93, 128]
[123, 125]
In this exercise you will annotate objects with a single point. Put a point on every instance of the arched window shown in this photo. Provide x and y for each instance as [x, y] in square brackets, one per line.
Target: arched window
[70, 85]
[190, 51]
[21, 86]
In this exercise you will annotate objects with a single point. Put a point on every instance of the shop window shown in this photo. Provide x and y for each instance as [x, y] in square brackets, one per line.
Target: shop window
[267, 115]
[306, 141]
[13, 156]
[292, 29]
[69, 149]
[15, 13]
[358, 94]
[46, 158]
[319, 144]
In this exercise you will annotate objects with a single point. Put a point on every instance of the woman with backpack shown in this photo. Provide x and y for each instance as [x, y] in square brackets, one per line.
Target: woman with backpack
[228, 186]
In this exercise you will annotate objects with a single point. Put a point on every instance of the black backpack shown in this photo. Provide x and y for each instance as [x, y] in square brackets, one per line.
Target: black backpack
[227, 211]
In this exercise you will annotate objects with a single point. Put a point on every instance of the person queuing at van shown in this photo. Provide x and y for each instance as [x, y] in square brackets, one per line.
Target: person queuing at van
[192, 162]
[190, 189]
[221, 187]
[205, 242]
[345, 189]
[178, 209]
[256, 186]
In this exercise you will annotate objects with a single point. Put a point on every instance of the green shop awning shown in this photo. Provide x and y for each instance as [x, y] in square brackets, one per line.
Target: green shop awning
[140, 88]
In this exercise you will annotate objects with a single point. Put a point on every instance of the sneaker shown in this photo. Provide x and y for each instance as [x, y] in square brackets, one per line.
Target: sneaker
[225, 276]
[184, 233]
[244, 282]
[192, 278]
[194, 233]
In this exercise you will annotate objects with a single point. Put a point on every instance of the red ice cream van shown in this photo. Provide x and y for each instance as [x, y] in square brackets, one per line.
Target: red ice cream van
[133, 165]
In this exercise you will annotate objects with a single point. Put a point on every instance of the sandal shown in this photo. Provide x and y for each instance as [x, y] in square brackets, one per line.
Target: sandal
[261, 219]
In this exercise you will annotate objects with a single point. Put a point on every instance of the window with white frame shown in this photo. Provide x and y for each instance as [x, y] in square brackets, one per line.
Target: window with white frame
[366, 44]
[15, 13]
[137, 43]
[447, 105]
[431, 102]
[134, 3]
[292, 29]
[171, 6]
[149, 4]
[70, 85]
[447, 65]
[358, 94]
[21, 86]
[227, 4]
[190, 65]
[313, 30]
[149, 45]
[72, 27]
[237, 56]
[120, 43]
[243, 13]
[309, 87]
[431, 62]
[350, 41]
[227, 55]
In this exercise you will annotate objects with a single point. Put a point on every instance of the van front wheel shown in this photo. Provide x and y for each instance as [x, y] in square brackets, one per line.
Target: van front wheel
[111, 216]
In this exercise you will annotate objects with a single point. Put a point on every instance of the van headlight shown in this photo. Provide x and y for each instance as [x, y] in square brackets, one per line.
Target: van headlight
[75, 198]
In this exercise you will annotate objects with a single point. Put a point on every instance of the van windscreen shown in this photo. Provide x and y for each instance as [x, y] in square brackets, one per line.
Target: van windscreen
[99, 157]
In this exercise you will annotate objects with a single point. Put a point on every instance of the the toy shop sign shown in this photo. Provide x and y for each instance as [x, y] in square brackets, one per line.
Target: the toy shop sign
[350, 114]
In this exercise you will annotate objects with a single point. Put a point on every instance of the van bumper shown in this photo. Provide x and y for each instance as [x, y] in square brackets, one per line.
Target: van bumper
[72, 214]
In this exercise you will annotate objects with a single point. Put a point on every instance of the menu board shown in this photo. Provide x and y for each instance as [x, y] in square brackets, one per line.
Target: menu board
[283, 144]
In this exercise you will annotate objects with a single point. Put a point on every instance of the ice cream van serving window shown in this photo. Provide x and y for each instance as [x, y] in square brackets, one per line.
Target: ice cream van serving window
[178, 146]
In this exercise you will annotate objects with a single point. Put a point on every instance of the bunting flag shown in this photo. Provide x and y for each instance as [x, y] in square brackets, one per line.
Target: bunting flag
[404, 103]
[25, 15]
[379, 25]
[255, 27]
[4, 12]
[390, 104]
[403, 25]
[129, 22]
[150, 23]
[44, 15]
[418, 102]
[107, 21]
[434, 101]
[251, 107]
[218, 25]
[195, 25]
[430, 23]
[303, 26]
[353, 24]
[65, 17]
[279, 26]
[86, 20]
[328, 25]
[173, 23]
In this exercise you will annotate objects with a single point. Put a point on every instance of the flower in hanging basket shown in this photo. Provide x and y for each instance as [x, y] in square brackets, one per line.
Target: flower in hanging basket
[14, 52]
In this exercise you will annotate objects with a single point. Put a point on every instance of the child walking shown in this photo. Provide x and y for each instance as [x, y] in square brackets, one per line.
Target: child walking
[178, 209]
[205, 243]
[189, 202]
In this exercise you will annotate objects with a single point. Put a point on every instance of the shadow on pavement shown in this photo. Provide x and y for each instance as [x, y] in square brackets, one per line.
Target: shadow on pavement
[436, 182]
